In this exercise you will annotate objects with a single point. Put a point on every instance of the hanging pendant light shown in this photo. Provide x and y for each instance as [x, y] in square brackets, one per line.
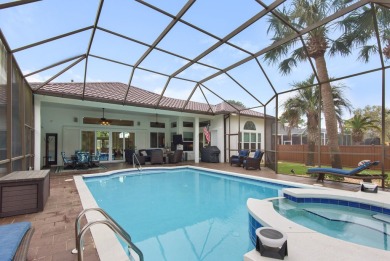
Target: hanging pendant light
[104, 121]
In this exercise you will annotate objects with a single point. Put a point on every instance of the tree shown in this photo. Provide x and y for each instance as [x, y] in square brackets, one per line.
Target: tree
[306, 103]
[303, 13]
[359, 125]
[375, 113]
[238, 103]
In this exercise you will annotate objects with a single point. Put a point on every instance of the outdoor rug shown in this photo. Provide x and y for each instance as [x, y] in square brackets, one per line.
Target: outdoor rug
[60, 169]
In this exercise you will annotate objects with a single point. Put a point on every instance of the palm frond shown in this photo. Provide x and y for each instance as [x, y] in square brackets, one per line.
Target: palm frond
[340, 4]
[299, 54]
[383, 16]
[285, 67]
[366, 51]
[341, 47]
[273, 56]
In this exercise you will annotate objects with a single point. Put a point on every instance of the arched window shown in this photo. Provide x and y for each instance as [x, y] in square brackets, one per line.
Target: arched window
[250, 138]
[249, 125]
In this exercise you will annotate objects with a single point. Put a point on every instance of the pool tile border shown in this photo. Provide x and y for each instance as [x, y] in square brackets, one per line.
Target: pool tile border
[331, 201]
[253, 225]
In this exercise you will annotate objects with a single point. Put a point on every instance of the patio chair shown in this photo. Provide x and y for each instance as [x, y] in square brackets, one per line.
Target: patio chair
[14, 240]
[354, 173]
[82, 160]
[94, 160]
[238, 159]
[175, 157]
[157, 157]
[68, 162]
[253, 163]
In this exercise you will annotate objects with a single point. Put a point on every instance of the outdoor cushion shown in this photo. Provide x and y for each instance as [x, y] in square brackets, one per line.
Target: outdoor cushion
[11, 236]
[342, 171]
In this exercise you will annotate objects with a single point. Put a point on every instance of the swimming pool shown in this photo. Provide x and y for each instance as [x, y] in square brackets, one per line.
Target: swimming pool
[356, 225]
[183, 213]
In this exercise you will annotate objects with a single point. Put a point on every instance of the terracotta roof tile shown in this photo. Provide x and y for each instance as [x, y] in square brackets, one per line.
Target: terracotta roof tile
[114, 92]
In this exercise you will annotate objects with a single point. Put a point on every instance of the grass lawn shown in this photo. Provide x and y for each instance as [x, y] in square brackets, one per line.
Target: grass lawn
[301, 169]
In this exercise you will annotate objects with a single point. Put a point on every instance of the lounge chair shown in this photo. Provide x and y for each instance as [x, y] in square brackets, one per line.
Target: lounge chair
[68, 162]
[253, 163]
[238, 159]
[347, 173]
[15, 240]
[176, 156]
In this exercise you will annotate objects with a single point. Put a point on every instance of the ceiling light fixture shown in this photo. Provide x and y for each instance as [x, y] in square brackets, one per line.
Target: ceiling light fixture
[104, 121]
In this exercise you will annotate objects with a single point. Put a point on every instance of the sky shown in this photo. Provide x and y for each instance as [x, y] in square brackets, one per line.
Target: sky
[34, 22]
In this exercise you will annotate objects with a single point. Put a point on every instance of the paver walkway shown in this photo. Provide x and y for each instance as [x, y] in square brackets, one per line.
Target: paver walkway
[54, 227]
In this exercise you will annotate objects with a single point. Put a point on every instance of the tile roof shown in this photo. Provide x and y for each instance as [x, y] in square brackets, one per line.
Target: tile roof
[114, 92]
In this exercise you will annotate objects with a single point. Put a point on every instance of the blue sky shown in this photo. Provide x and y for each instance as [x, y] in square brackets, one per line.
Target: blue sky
[37, 21]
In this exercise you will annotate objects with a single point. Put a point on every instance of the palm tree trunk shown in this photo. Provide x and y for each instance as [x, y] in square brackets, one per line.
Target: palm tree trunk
[312, 135]
[329, 112]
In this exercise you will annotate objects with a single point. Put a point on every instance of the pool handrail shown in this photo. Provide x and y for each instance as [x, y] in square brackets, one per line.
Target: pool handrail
[111, 223]
[138, 166]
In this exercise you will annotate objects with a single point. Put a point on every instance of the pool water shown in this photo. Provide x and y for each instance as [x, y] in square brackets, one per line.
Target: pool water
[346, 223]
[182, 214]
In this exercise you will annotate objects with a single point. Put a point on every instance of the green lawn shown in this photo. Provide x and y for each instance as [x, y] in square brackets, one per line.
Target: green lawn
[300, 169]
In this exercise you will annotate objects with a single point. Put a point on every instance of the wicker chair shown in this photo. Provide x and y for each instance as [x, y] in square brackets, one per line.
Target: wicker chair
[175, 157]
[238, 159]
[253, 163]
[68, 162]
[157, 157]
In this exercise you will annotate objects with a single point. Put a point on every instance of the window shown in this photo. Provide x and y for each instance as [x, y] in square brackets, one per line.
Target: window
[188, 136]
[173, 124]
[88, 141]
[251, 140]
[249, 125]
[188, 124]
[157, 125]
[204, 124]
[113, 122]
[157, 140]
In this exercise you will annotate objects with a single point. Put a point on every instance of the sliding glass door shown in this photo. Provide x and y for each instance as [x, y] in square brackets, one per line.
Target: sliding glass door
[117, 145]
[109, 145]
[103, 145]
[88, 141]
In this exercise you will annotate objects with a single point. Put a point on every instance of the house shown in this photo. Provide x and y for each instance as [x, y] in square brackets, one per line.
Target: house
[298, 136]
[76, 123]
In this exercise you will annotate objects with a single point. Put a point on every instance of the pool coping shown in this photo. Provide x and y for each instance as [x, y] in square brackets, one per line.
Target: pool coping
[107, 245]
[322, 247]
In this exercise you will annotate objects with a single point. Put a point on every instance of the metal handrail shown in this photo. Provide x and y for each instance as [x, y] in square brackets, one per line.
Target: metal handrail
[111, 223]
[134, 165]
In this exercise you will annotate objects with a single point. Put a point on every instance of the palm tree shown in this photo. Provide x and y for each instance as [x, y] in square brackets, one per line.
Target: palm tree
[359, 125]
[303, 13]
[305, 103]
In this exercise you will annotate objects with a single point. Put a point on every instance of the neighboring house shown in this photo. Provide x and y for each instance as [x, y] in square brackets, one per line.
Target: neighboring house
[299, 136]
[59, 110]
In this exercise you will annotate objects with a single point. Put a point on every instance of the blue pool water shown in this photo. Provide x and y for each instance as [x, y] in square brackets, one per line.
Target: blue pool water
[182, 214]
[347, 223]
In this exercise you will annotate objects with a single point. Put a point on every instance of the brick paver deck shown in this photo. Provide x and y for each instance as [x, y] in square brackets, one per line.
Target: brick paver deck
[54, 227]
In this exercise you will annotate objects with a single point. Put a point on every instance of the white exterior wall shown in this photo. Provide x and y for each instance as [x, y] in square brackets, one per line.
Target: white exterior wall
[217, 135]
[65, 117]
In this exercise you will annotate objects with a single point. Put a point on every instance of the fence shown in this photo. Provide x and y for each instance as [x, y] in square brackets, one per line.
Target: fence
[350, 155]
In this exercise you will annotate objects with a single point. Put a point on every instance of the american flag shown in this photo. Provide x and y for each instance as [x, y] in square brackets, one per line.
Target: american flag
[206, 134]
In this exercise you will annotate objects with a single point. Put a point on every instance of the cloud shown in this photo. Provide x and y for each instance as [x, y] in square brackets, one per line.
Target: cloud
[36, 77]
